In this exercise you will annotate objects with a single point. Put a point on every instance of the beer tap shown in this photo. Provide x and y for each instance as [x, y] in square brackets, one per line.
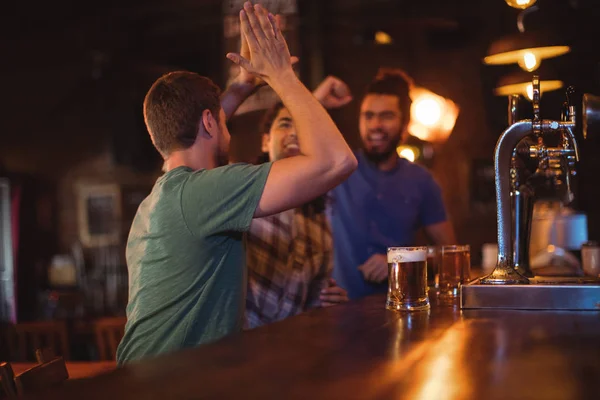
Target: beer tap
[558, 163]
[522, 144]
[568, 114]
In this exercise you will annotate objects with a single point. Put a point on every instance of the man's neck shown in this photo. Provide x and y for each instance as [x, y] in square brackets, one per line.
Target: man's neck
[384, 164]
[188, 158]
[389, 163]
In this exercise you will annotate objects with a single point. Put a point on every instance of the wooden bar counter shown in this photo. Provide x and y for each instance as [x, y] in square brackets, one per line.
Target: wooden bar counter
[362, 351]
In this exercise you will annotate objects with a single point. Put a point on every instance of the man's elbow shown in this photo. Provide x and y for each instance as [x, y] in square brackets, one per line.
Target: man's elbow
[342, 169]
[347, 164]
[338, 167]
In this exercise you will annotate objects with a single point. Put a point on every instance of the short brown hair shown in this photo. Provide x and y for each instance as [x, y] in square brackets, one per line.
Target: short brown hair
[394, 82]
[173, 109]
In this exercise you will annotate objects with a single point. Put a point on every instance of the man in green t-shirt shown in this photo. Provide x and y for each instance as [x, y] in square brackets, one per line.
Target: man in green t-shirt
[185, 253]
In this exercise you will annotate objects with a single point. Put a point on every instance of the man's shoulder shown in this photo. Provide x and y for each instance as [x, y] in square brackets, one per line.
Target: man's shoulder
[414, 170]
[171, 179]
[416, 167]
[238, 167]
[186, 172]
[216, 177]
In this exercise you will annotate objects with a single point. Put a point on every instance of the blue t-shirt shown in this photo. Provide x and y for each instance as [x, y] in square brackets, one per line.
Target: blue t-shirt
[373, 210]
[186, 261]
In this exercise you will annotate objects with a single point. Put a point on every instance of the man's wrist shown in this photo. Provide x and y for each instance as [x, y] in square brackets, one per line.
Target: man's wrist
[242, 89]
[282, 79]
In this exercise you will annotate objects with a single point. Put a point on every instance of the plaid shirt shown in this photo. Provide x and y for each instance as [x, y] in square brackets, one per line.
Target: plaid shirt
[289, 261]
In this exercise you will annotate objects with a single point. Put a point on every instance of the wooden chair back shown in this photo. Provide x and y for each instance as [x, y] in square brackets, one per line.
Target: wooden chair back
[20, 341]
[109, 332]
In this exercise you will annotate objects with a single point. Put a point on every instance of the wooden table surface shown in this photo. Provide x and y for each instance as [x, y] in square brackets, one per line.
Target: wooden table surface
[76, 369]
[362, 351]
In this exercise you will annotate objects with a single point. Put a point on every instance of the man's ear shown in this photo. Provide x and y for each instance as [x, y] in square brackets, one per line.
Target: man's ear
[209, 122]
[266, 138]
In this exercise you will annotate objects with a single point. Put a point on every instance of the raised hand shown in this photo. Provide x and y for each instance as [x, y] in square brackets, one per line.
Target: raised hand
[333, 93]
[246, 77]
[268, 56]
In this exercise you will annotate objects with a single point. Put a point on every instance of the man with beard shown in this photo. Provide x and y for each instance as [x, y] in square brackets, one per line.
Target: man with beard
[290, 254]
[185, 254]
[387, 199]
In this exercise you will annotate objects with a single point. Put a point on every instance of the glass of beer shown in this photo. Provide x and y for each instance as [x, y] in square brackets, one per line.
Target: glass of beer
[434, 259]
[407, 279]
[455, 269]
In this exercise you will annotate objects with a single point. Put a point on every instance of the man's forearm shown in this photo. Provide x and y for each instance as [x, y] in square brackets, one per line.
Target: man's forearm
[235, 94]
[316, 131]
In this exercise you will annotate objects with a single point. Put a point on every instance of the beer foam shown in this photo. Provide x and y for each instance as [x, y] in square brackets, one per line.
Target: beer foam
[405, 255]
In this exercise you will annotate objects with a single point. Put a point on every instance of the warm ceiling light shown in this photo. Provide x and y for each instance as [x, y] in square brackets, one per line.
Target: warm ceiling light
[526, 89]
[520, 83]
[529, 62]
[432, 117]
[428, 110]
[545, 86]
[521, 4]
[407, 152]
[382, 37]
[527, 49]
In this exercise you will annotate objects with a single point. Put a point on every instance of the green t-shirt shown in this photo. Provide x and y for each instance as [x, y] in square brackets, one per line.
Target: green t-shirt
[186, 261]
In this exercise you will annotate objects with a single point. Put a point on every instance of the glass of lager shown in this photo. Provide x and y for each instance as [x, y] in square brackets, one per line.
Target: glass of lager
[455, 269]
[407, 279]
[434, 260]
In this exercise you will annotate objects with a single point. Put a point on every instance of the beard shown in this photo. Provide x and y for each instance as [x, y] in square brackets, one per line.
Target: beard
[378, 156]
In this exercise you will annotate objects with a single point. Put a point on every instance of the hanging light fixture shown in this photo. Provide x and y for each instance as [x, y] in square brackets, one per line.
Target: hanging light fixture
[383, 38]
[527, 49]
[520, 83]
[521, 4]
[432, 117]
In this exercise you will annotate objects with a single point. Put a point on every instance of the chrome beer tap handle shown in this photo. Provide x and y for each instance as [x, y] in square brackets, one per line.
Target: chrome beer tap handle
[536, 122]
[569, 142]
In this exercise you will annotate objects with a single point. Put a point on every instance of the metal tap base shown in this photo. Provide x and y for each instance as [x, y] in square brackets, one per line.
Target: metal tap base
[542, 293]
[503, 275]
